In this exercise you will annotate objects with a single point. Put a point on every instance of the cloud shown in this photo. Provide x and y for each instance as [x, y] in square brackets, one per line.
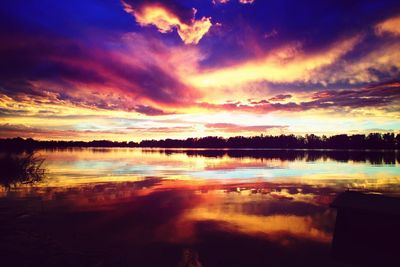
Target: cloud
[348, 63]
[372, 96]
[288, 64]
[215, 2]
[8, 130]
[389, 26]
[150, 111]
[246, 1]
[132, 71]
[376, 65]
[192, 34]
[384, 96]
[279, 98]
[236, 128]
[163, 130]
[165, 21]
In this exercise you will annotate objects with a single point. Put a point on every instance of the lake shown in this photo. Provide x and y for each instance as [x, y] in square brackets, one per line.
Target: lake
[168, 207]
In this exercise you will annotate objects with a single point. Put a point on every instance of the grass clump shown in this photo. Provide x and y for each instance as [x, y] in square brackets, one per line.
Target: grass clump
[19, 169]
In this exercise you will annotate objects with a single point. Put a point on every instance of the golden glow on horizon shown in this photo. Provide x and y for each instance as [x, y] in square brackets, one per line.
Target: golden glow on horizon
[77, 123]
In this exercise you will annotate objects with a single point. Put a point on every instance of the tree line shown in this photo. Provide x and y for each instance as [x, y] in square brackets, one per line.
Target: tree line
[309, 141]
[31, 144]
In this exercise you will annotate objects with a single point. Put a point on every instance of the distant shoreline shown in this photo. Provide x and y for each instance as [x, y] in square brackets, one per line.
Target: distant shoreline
[373, 141]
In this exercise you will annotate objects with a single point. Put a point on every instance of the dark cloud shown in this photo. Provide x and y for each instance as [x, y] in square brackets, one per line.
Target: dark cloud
[6, 112]
[278, 98]
[372, 96]
[383, 95]
[150, 111]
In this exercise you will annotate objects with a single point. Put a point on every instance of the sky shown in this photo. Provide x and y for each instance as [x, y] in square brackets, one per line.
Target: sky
[133, 70]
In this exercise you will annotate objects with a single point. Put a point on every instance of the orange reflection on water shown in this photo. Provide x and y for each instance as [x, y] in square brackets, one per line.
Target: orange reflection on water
[274, 226]
[129, 198]
[272, 211]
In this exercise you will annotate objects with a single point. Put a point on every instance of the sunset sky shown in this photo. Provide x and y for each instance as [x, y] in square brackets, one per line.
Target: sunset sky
[133, 70]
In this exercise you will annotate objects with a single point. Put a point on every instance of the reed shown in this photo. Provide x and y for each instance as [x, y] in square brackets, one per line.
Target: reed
[20, 169]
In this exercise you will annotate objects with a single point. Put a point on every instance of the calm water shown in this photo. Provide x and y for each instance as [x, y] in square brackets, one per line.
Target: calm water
[151, 207]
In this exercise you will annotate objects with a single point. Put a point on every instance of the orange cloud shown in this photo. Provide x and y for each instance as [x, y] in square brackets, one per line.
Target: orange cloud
[391, 26]
[287, 64]
[166, 21]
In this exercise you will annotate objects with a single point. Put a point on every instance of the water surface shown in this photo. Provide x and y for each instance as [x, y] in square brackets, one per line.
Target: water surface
[157, 207]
